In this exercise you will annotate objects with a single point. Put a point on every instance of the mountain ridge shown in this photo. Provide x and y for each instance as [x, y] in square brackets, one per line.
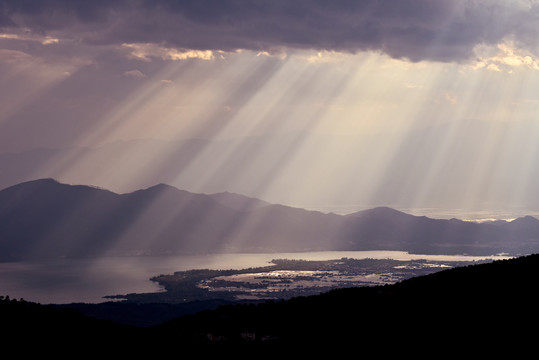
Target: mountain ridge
[46, 218]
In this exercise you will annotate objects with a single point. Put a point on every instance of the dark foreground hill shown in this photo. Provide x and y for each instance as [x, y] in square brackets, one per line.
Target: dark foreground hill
[47, 219]
[476, 310]
[480, 307]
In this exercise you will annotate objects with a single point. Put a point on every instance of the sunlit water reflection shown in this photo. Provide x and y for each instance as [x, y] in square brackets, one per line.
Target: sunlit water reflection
[89, 280]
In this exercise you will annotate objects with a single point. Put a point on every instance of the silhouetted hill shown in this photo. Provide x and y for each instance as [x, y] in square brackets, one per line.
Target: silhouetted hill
[143, 315]
[31, 329]
[484, 309]
[389, 229]
[477, 310]
[44, 218]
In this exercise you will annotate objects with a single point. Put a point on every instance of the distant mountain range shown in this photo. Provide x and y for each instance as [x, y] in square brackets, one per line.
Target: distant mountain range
[44, 218]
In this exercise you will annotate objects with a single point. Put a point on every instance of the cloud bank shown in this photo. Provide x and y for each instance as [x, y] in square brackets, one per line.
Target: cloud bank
[410, 29]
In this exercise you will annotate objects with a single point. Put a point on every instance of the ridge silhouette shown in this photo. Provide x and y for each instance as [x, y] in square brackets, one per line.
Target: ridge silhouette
[48, 219]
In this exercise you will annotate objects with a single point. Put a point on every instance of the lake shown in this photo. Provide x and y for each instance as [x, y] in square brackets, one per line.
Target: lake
[63, 281]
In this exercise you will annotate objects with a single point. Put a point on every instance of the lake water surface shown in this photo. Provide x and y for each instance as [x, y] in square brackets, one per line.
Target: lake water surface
[64, 281]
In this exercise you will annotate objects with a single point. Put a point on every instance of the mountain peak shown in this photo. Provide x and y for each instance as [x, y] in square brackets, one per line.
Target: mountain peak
[38, 185]
[162, 186]
[48, 184]
[525, 222]
[526, 219]
[44, 181]
[379, 211]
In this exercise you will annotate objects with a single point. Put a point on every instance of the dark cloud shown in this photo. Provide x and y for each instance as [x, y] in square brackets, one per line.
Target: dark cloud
[61, 10]
[413, 29]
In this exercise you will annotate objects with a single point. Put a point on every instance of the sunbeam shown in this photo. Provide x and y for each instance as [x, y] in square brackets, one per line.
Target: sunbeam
[299, 125]
[24, 78]
[141, 129]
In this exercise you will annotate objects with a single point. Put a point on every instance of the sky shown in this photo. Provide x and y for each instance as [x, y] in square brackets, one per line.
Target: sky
[318, 104]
